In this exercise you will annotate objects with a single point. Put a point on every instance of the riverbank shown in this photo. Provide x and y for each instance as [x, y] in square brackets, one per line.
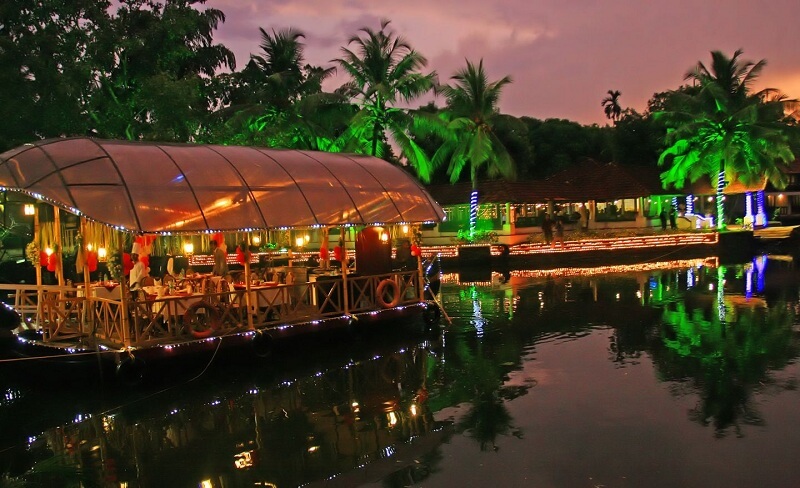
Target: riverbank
[580, 249]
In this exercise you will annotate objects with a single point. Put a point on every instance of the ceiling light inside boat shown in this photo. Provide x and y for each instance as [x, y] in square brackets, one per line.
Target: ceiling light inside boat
[29, 209]
[102, 254]
[188, 248]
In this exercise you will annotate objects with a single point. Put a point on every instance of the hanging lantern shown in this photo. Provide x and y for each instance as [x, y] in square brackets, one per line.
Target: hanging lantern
[91, 261]
[127, 263]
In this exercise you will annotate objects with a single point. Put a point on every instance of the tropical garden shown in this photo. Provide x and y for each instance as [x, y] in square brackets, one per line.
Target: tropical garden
[147, 70]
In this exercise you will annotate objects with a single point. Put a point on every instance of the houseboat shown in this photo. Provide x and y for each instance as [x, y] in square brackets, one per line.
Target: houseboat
[105, 210]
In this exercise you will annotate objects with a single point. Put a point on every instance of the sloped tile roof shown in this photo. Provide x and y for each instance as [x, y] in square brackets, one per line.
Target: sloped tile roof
[586, 180]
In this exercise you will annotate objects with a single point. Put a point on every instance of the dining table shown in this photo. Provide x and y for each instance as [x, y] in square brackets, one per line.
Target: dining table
[263, 294]
[100, 289]
[170, 304]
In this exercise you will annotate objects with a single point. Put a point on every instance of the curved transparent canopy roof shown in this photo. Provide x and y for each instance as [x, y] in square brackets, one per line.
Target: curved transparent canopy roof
[159, 187]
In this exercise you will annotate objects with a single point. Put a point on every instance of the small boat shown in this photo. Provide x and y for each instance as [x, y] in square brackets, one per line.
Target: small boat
[91, 200]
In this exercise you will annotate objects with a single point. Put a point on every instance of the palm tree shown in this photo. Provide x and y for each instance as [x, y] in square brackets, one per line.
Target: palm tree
[611, 105]
[277, 101]
[724, 129]
[470, 137]
[384, 71]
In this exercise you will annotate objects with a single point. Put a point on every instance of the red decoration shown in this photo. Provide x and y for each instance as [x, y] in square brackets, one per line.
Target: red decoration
[415, 250]
[218, 238]
[323, 253]
[337, 253]
[43, 259]
[127, 264]
[91, 261]
[52, 263]
[145, 260]
[240, 255]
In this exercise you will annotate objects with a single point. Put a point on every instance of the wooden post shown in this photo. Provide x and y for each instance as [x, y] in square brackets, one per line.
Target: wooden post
[247, 300]
[59, 245]
[87, 279]
[36, 239]
[123, 293]
[345, 294]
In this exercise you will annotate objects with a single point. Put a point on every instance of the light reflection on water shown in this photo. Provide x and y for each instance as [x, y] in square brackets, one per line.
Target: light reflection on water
[657, 377]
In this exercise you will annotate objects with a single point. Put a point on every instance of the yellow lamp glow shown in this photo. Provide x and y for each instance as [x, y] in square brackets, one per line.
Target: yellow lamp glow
[89, 247]
[102, 254]
[188, 248]
[256, 240]
[48, 250]
[405, 229]
[29, 209]
[307, 237]
[384, 237]
[299, 241]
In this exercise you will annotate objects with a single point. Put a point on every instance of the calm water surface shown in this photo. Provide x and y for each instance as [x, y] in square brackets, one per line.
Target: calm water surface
[666, 377]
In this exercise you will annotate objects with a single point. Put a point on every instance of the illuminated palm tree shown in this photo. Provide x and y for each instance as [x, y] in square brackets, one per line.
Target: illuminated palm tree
[724, 129]
[611, 105]
[384, 71]
[277, 101]
[470, 138]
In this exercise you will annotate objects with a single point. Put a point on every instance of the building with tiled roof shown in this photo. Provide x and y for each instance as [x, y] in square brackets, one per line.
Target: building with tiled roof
[589, 194]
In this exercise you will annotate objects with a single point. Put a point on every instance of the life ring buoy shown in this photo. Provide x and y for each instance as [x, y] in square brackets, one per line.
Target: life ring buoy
[205, 326]
[381, 293]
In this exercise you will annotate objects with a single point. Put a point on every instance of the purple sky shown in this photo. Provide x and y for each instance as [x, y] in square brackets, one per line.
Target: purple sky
[562, 55]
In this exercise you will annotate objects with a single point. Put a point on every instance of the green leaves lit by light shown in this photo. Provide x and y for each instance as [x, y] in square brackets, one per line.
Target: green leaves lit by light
[724, 132]
[728, 357]
[384, 71]
[469, 137]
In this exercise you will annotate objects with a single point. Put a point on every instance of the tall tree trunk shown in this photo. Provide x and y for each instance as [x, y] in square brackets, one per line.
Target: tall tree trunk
[720, 197]
[473, 202]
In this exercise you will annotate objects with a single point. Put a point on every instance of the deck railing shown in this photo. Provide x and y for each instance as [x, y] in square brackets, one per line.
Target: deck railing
[65, 313]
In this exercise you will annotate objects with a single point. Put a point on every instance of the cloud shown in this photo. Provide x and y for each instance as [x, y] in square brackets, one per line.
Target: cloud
[563, 56]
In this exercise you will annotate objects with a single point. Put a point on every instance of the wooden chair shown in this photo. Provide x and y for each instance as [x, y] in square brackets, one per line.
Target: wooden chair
[147, 281]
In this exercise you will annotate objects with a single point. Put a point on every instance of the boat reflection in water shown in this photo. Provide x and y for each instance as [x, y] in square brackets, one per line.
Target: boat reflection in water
[349, 423]
[393, 412]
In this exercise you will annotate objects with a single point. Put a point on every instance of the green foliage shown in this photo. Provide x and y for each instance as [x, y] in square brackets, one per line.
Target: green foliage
[465, 236]
[153, 71]
[384, 71]
[559, 143]
[724, 131]
[48, 54]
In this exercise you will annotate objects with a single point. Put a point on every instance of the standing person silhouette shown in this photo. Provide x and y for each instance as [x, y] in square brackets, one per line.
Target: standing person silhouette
[547, 230]
[220, 260]
[559, 226]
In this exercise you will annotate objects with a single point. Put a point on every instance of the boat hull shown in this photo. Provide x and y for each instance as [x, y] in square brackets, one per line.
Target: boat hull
[24, 355]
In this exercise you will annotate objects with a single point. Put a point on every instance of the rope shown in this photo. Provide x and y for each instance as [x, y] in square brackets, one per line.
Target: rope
[71, 355]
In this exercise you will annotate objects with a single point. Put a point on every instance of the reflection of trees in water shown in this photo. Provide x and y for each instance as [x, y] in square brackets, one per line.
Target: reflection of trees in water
[726, 361]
